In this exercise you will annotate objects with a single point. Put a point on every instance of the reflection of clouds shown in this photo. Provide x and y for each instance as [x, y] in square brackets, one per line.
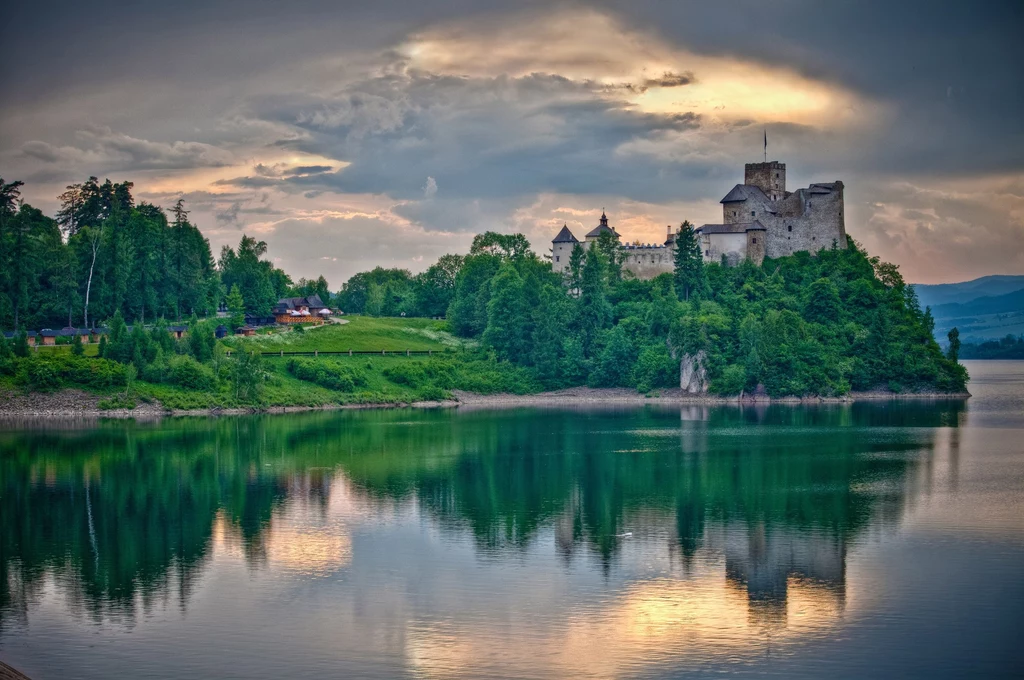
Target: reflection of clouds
[703, 618]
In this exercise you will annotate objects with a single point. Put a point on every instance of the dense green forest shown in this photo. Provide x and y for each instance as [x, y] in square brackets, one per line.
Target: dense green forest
[794, 326]
[103, 253]
[1008, 347]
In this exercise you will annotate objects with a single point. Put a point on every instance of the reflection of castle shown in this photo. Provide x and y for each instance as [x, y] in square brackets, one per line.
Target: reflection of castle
[764, 560]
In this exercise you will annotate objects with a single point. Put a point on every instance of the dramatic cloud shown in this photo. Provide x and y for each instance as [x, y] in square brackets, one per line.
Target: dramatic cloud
[392, 132]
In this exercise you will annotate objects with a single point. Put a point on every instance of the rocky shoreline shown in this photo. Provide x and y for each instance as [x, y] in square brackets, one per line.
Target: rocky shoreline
[71, 403]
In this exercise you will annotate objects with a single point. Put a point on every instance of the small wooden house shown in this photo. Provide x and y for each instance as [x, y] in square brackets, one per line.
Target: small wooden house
[177, 332]
[310, 309]
[31, 336]
[50, 336]
[245, 330]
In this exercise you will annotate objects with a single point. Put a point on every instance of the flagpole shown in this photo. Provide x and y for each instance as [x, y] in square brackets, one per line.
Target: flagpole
[766, 145]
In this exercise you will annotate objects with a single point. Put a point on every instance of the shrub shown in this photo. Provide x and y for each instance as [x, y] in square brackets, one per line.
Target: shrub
[118, 401]
[37, 374]
[656, 368]
[410, 375]
[189, 373]
[329, 375]
[732, 380]
[49, 372]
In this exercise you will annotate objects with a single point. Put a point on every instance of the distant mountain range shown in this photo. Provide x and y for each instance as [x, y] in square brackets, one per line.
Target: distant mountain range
[983, 309]
[933, 295]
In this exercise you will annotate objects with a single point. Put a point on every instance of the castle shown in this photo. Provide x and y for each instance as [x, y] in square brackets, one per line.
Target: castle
[759, 219]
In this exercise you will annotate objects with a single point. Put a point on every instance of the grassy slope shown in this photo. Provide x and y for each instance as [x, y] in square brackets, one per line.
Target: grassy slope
[470, 370]
[361, 333]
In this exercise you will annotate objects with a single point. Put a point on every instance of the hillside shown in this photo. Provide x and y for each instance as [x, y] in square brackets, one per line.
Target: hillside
[983, 318]
[933, 295]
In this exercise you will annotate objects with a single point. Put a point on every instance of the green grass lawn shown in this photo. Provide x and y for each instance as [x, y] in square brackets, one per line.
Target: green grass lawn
[390, 379]
[361, 333]
[91, 350]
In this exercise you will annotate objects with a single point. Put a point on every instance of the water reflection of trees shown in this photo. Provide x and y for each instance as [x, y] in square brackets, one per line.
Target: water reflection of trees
[123, 513]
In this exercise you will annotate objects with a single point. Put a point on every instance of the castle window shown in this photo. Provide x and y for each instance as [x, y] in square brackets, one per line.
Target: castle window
[790, 227]
[754, 241]
[753, 212]
[707, 253]
[557, 259]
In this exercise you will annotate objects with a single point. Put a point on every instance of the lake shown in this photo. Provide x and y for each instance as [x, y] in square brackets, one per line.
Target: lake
[841, 541]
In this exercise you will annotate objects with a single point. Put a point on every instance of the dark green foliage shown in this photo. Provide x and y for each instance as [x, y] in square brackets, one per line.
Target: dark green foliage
[236, 307]
[330, 375]
[614, 366]
[592, 310]
[656, 368]
[260, 284]
[954, 344]
[380, 292]
[799, 325]
[117, 402]
[509, 323]
[52, 371]
[76, 346]
[21, 348]
[822, 302]
[248, 375]
[189, 373]
[1009, 347]
[689, 264]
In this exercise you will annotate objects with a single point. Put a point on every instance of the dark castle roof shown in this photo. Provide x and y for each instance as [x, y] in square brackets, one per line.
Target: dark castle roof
[565, 236]
[738, 228]
[742, 192]
[601, 228]
[311, 301]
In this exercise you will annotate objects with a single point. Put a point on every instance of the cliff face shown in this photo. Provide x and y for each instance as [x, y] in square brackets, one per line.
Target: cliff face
[693, 376]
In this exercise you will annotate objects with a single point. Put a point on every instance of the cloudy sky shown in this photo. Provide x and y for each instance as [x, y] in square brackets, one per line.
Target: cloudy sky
[348, 135]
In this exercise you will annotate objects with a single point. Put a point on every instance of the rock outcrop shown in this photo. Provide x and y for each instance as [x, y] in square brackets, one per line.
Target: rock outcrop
[693, 374]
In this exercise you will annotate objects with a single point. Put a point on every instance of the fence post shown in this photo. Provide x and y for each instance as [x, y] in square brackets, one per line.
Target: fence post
[282, 353]
[350, 352]
[430, 352]
[406, 352]
[316, 353]
[383, 352]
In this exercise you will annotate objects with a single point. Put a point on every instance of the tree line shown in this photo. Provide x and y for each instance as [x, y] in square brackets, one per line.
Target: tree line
[104, 253]
[798, 325]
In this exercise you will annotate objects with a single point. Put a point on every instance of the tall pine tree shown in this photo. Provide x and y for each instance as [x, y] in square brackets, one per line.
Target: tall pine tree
[689, 263]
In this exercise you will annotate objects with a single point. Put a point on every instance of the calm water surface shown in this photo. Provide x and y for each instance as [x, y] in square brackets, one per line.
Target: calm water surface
[872, 540]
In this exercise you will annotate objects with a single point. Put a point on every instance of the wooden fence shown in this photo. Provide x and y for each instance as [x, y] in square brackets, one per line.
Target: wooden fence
[351, 352]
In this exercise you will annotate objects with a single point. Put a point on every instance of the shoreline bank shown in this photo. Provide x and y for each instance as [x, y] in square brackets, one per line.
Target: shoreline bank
[72, 403]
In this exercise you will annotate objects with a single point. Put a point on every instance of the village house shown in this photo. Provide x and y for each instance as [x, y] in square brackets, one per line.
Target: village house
[310, 309]
[50, 336]
[31, 335]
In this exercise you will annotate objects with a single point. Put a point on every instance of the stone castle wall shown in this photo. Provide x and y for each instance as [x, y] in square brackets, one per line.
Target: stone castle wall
[646, 262]
[806, 220]
[770, 177]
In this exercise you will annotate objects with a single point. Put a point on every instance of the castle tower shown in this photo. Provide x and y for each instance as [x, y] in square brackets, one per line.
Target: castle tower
[769, 177]
[561, 249]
